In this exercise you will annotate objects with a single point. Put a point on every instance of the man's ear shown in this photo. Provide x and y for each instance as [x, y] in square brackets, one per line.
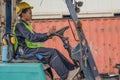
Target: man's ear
[23, 14]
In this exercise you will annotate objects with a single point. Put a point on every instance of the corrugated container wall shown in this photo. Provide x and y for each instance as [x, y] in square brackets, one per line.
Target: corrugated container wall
[102, 34]
[58, 9]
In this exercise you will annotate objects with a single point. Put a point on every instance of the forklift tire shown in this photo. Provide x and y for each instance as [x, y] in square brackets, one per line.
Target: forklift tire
[48, 73]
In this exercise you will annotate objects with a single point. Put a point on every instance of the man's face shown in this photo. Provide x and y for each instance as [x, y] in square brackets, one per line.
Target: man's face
[28, 15]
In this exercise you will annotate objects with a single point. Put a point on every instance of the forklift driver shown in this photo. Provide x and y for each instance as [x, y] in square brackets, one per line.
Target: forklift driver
[26, 36]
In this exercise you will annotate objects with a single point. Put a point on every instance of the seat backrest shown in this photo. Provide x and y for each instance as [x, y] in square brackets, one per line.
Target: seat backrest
[8, 39]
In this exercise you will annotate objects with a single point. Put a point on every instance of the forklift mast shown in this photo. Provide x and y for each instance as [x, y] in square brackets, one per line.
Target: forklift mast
[88, 65]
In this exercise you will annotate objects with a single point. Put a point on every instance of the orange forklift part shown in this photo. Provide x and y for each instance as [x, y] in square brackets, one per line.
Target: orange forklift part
[4, 42]
[13, 40]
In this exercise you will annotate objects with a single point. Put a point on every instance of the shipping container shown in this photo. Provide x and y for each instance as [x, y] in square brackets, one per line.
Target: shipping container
[102, 34]
[58, 9]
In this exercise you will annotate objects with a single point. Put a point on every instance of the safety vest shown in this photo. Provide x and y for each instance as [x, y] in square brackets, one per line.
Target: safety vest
[28, 43]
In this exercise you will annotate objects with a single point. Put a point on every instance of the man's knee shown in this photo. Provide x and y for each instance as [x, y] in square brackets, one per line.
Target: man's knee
[54, 51]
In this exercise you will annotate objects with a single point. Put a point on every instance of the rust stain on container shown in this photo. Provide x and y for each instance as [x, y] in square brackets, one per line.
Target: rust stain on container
[102, 34]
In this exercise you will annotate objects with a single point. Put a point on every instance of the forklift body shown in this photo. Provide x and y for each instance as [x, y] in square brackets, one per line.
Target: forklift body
[84, 55]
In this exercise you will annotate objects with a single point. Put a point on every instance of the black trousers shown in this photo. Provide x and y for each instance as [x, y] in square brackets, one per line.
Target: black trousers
[55, 59]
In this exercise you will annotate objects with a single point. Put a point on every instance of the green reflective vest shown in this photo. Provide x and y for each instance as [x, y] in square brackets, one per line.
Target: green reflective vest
[28, 43]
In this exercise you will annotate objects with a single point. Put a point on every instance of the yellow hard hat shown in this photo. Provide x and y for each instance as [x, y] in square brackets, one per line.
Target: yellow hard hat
[21, 6]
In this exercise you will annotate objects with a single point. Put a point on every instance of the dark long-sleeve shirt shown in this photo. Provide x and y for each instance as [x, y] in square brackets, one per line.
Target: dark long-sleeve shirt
[23, 33]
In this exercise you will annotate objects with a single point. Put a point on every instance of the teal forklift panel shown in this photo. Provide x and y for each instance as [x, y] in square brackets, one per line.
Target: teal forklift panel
[22, 71]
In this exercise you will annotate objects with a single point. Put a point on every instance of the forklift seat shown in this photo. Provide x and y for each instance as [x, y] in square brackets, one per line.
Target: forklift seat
[9, 40]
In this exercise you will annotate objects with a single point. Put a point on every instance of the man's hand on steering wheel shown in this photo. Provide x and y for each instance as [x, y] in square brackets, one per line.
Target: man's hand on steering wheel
[51, 31]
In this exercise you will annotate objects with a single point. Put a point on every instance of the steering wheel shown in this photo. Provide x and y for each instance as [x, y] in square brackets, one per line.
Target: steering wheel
[59, 32]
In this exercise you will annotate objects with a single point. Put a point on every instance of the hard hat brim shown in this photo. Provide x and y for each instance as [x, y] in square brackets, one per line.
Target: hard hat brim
[31, 7]
[21, 6]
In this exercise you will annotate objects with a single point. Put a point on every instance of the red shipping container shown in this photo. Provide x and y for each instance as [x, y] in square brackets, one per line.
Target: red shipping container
[102, 34]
